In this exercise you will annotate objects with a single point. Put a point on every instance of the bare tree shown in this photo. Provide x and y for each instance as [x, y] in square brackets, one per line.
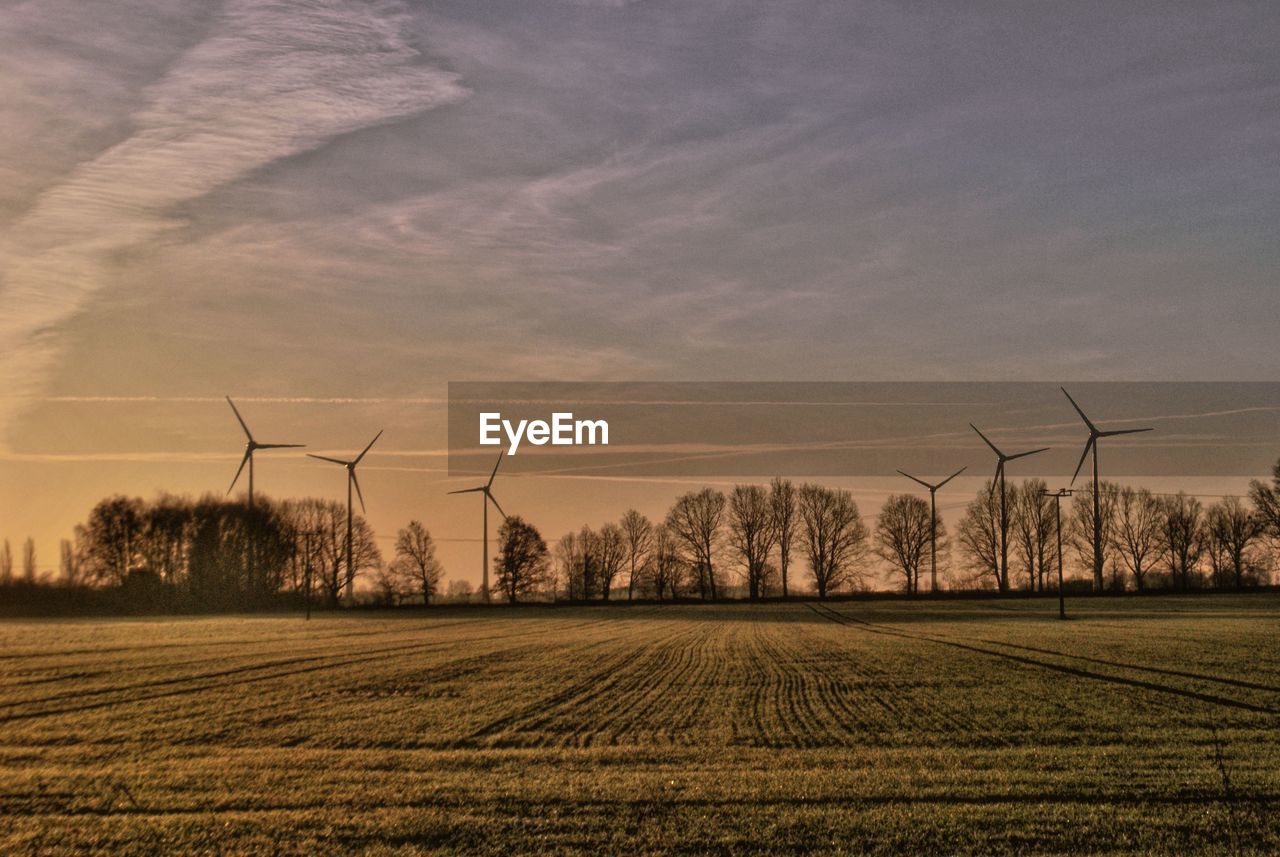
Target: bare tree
[1033, 523]
[695, 520]
[833, 535]
[522, 564]
[327, 520]
[751, 534]
[1137, 531]
[903, 536]
[459, 591]
[111, 538]
[1182, 536]
[637, 534]
[29, 560]
[1081, 531]
[70, 563]
[6, 563]
[416, 561]
[390, 585]
[782, 501]
[979, 536]
[164, 537]
[666, 568]
[1232, 529]
[569, 564]
[611, 551]
[1266, 500]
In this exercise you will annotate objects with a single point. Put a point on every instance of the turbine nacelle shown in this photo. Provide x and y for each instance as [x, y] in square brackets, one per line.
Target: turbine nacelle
[251, 446]
[351, 466]
[1095, 433]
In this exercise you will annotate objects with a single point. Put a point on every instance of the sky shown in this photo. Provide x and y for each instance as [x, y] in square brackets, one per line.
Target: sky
[329, 209]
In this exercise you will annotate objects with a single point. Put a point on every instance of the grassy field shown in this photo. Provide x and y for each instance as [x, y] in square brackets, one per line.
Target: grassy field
[1143, 726]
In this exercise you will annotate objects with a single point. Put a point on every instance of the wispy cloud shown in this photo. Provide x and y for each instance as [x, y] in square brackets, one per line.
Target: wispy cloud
[269, 81]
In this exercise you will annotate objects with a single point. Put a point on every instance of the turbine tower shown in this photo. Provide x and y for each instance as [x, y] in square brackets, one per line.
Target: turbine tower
[1001, 460]
[485, 489]
[351, 480]
[933, 522]
[251, 446]
[1092, 444]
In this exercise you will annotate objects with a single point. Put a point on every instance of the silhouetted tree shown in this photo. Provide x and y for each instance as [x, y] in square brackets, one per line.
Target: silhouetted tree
[164, 537]
[902, 537]
[458, 590]
[833, 536]
[1033, 534]
[782, 502]
[611, 550]
[752, 534]
[29, 560]
[6, 563]
[522, 563]
[1266, 501]
[327, 520]
[1081, 530]
[70, 564]
[637, 535]
[236, 554]
[415, 563]
[1182, 537]
[695, 521]
[570, 563]
[1137, 532]
[666, 567]
[979, 536]
[111, 538]
[1232, 529]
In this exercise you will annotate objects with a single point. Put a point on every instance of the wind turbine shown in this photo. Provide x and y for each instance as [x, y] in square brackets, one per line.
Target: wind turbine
[484, 532]
[1001, 460]
[251, 446]
[1092, 443]
[351, 480]
[933, 522]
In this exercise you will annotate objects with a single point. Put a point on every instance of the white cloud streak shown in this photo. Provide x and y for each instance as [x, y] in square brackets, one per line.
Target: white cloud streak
[269, 81]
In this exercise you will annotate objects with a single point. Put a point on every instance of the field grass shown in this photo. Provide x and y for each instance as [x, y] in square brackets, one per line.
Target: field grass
[1142, 726]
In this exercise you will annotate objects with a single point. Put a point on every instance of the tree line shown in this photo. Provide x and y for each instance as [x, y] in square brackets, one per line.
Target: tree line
[752, 541]
[213, 554]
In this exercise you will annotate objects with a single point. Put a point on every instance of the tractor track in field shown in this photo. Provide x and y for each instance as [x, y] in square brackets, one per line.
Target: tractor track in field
[240, 675]
[1141, 684]
[58, 653]
[523, 727]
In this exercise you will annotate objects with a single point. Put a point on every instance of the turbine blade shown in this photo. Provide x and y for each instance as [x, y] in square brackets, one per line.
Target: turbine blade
[281, 445]
[952, 476]
[1083, 456]
[370, 446]
[995, 480]
[1087, 421]
[1122, 431]
[1025, 454]
[495, 502]
[913, 479]
[240, 470]
[495, 472]
[356, 482]
[466, 490]
[240, 419]
[989, 443]
[327, 458]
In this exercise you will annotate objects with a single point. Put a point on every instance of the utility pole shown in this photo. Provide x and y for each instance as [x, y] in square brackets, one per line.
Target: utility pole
[1057, 518]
